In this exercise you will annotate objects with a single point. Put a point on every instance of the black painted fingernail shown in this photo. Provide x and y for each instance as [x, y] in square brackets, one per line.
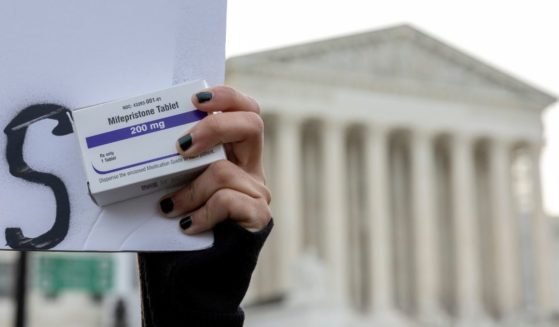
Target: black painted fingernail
[204, 96]
[185, 142]
[186, 222]
[166, 205]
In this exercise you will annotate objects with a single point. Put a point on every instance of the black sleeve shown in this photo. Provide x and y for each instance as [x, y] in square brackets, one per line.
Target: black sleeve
[201, 288]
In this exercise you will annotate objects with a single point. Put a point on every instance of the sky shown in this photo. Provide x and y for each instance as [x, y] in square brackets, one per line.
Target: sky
[519, 37]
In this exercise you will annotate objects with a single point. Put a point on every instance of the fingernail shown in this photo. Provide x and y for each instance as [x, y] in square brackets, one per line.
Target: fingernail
[186, 222]
[204, 96]
[166, 205]
[185, 142]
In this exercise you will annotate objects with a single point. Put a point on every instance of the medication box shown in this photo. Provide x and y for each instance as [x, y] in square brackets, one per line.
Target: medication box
[128, 146]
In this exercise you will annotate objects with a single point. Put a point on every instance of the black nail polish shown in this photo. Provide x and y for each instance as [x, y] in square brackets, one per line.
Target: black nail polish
[186, 222]
[204, 96]
[185, 142]
[166, 205]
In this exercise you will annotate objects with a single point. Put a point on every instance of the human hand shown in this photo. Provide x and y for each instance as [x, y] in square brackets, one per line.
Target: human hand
[228, 189]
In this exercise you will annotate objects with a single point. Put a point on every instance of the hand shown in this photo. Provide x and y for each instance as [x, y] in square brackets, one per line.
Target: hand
[228, 189]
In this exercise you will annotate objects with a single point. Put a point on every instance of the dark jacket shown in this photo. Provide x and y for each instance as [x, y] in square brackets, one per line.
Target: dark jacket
[201, 288]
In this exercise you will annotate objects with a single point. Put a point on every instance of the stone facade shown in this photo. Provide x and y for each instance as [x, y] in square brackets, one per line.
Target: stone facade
[406, 186]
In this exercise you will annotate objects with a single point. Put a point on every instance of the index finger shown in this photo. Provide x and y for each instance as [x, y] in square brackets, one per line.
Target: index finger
[243, 130]
[224, 98]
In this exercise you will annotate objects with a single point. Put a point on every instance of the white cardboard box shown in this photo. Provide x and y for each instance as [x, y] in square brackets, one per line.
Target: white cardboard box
[128, 146]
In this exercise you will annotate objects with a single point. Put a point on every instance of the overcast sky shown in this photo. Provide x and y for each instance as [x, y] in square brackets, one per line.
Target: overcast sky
[519, 37]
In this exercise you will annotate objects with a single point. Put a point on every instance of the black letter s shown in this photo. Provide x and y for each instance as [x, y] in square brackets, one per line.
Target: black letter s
[16, 131]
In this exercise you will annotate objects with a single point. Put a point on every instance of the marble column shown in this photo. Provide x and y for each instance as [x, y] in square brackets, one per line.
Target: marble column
[466, 231]
[506, 249]
[381, 283]
[425, 228]
[542, 242]
[264, 273]
[288, 205]
[335, 220]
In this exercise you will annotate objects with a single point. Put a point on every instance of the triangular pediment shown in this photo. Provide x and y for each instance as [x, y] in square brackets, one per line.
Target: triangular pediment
[402, 58]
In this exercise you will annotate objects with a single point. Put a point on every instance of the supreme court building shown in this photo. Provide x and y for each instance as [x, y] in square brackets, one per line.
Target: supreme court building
[406, 186]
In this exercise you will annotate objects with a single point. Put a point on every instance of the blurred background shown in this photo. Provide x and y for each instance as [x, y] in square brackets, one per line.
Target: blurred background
[412, 150]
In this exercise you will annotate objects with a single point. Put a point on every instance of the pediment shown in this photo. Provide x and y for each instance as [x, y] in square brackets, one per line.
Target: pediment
[400, 56]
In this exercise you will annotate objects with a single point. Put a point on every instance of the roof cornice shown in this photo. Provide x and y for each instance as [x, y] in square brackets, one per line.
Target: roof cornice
[283, 63]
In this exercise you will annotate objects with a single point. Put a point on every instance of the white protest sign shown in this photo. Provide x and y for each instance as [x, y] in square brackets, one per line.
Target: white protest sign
[56, 56]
